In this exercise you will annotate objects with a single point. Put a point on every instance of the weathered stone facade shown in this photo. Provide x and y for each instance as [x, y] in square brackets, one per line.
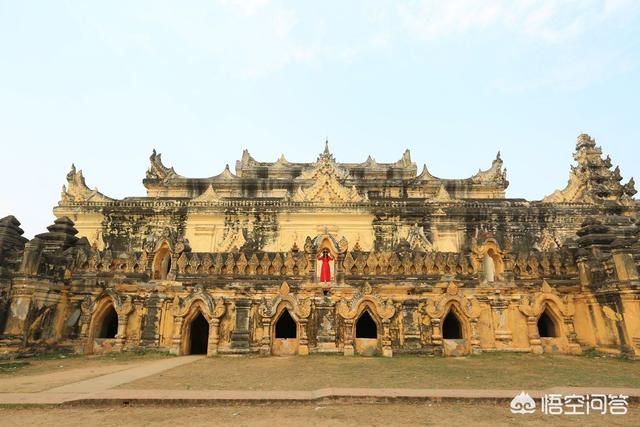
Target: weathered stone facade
[230, 264]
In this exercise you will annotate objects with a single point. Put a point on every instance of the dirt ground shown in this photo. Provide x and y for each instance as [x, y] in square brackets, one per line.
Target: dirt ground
[498, 371]
[49, 372]
[302, 415]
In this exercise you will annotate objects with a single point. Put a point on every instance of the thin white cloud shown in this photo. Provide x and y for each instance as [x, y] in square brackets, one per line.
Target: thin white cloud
[547, 20]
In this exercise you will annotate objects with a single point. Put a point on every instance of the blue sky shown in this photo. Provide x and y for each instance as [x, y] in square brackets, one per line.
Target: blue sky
[103, 83]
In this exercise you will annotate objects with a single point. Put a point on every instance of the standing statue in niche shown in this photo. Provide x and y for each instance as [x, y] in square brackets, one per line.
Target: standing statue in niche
[325, 269]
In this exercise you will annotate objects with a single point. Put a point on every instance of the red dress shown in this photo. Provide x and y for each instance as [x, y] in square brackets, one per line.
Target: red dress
[325, 270]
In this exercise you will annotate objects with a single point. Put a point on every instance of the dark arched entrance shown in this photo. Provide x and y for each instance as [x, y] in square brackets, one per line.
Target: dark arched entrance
[366, 327]
[286, 326]
[108, 328]
[451, 327]
[546, 326]
[199, 339]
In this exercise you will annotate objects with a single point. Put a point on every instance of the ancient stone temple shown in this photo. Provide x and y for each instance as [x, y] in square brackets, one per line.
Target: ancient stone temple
[328, 257]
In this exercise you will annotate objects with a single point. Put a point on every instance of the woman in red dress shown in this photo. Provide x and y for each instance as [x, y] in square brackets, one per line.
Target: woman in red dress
[325, 270]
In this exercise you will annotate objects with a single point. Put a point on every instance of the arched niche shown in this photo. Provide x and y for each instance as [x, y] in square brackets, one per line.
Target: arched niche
[99, 315]
[451, 327]
[366, 331]
[104, 328]
[547, 326]
[455, 332]
[162, 262]
[197, 334]
[187, 311]
[107, 325]
[550, 323]
[285, 332]
[366, 327]
[329, 246]
[493, 265]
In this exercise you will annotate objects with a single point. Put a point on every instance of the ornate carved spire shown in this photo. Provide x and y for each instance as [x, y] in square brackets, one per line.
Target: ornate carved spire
[76, 189]
[493, 174]
[592, 180]
[157, 170]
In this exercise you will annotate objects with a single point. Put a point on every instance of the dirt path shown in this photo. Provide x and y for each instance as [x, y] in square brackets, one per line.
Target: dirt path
[303, 415]
[41, 382]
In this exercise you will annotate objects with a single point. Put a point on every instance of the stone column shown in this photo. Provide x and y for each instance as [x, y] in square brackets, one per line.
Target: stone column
[475, 339]
[121, 336]
[303, 342]
[386, 339]
[572, 338]
[176, 341]
[436, 337]
[326, 315]
[348, 337]
[411, 326]
[240, 334]
[584, 272]
[499, 306]
[214, 327]
[534, 338]
[339, 268]
[265, 345]
[150, 334]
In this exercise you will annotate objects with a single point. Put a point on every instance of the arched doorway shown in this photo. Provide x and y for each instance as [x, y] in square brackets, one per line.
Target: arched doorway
[107, 327]
[285, 335]
[451, 327]
[453, 340]
[286, 326]
[199, 335]
[366, 335]
[547, 326]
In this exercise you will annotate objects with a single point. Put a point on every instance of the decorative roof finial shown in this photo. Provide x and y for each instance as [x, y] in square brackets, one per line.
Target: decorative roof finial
[585, 141]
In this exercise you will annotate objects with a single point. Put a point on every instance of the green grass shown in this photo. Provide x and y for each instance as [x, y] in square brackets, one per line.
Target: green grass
[488, 370]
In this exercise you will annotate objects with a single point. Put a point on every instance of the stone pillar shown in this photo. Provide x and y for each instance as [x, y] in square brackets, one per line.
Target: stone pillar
[303, 342]
[348, 338]
[265, 345]
[387, 351]
[150, 334]
[214, 338]
[584, 272]
[20, 312]
[176, 341]
[499, 306]
[311, 259]
[121, 336]
[534, 338]
[572, 338]
[326, 314]
[339, 268]
[411, 326]
[436, 337]
[475, 339]
[626, 269]
[240, 334]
